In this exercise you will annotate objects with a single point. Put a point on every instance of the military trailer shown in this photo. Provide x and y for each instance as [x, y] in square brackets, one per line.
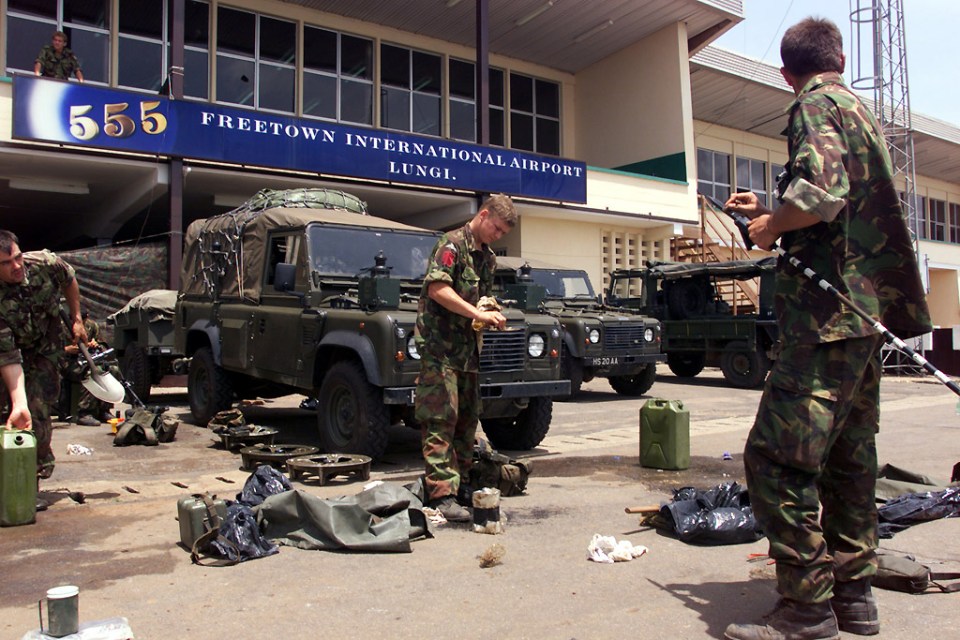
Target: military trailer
[143, 340]
[705, 316]
[598, 341]
[300, 291]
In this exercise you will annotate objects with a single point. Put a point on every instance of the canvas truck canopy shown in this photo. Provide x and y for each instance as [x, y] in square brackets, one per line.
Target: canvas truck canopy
[158, 304]
[225, 253]
[739, 269]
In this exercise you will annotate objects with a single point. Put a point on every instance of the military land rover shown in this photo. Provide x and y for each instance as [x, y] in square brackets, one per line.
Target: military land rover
[709, 317]
[143, 340]
[598, 341]
[300, 291]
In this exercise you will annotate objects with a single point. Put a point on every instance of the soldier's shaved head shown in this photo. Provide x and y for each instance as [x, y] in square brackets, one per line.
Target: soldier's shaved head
[7, 241]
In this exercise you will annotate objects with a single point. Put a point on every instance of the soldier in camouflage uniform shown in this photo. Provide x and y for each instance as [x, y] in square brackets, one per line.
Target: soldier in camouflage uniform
[91, 411]
[813, 442]
[32, 338]
[459, 273]
[56, 60]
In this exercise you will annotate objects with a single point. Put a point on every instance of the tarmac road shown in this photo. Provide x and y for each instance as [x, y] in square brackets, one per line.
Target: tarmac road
[121, 546]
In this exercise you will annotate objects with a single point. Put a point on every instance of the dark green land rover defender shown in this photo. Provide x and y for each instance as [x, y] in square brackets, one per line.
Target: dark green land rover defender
[709, 316]
[599, 341]
[300, 291]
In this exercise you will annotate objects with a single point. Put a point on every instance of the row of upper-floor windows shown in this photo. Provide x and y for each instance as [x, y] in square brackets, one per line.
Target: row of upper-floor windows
[719, 175]
[240, 57]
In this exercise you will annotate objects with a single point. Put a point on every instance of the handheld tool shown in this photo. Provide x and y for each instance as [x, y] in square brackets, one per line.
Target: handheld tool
[98, 382]
[743, 223]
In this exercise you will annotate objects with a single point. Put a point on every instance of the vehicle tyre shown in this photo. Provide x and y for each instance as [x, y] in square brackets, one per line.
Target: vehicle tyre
[208, 387]
[571, 369]
[351, 416]
[637, 384]
[135, 367]
[686, 365]
[686, 299]
[525, 431]
[744, 369]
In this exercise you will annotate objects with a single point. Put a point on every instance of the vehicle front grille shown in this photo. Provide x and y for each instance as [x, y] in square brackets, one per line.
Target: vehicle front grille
[503, 351]
[629, 336]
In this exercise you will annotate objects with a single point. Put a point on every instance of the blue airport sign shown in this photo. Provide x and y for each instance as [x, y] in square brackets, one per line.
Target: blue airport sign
[82, 115]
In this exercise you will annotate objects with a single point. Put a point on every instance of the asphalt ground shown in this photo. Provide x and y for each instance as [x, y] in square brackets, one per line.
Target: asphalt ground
[121, 545]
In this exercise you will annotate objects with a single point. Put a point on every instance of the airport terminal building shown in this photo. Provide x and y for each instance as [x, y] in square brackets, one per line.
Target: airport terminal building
[602, 119]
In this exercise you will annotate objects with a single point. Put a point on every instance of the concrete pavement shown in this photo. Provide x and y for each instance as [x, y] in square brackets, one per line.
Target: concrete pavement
[120, 546]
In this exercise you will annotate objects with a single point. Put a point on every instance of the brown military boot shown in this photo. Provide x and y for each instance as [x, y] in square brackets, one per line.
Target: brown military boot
[790, 620]
[855, 607]
[453, 512]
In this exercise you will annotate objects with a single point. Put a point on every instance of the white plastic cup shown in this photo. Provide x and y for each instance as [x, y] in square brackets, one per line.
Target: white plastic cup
[63, 611]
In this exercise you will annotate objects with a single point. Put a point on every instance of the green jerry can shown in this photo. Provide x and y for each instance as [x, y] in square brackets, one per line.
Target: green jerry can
[197, 514]
[664, 434]
[18, 477]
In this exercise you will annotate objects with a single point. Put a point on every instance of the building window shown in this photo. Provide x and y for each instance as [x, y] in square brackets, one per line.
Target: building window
[196, 54]
[256, 60]
[534, 114]
[924, 220]
[142, 45]
[497, 109]
[337, 76]
[713, 174]
[955, 223]
[752, 176]
[938, 220]
[463, 103]
[31, 23]
[410, 87]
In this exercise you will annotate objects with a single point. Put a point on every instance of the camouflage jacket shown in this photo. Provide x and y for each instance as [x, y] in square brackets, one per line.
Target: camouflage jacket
[839, 170]
[443, 335]
[30, 311]
[57, 66]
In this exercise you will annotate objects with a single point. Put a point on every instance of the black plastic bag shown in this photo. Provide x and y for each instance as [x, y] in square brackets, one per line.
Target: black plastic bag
[913, 508]
[265, 481]
[717, 516]
[239, 536]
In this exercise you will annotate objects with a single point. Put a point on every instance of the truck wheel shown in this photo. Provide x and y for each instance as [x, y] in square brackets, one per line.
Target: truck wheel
[571, 369]
[208, 387]
[637, 384]
[135, 367]
[744, 369]
[685, 365]
[686, 299]
[525, 431]
[351, 416]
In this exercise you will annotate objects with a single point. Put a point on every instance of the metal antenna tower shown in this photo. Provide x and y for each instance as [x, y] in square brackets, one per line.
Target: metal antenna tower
[878, 62]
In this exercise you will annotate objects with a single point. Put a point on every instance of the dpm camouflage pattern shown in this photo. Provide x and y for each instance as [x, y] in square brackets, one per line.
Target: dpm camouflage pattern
[42, 385]
[447, 410]
[54, 66]
[468, 268]
[839, 169]
[813, 443]
[32, 335]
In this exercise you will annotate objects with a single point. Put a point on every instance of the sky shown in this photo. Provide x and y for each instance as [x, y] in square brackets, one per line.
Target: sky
[930, 25]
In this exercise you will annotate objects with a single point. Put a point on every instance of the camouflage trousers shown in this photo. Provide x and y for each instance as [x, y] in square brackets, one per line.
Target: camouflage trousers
[42, 380]
[813, 444]
[447, 410]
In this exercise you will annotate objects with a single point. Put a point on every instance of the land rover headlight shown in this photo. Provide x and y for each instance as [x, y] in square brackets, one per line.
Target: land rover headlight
[536, 345]
[594, 336]
[412, 348]
[649, 334]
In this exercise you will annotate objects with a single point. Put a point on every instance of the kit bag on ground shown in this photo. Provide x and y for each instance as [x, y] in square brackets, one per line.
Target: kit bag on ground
[496, 471]
[234, 537]
[149, 426]
[903, 573]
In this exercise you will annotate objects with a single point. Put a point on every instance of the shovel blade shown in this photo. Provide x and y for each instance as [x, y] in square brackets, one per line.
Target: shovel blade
[104, 387]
